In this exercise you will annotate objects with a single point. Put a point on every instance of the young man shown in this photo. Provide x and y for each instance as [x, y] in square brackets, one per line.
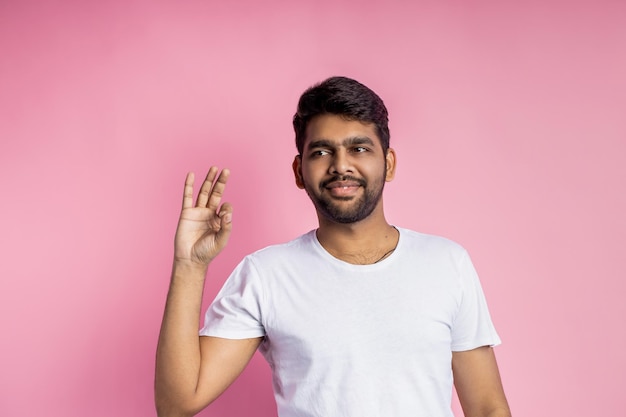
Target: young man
[357, 318]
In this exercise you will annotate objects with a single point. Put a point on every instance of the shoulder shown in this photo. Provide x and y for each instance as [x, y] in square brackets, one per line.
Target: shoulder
[428, 242]
[257, 267]
[300, 246]
[438, 252]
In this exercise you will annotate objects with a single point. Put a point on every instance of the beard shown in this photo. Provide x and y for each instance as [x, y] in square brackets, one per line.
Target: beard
[331, 207]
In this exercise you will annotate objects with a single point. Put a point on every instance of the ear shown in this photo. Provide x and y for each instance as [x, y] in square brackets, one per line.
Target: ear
[297, 171]
[390, 165]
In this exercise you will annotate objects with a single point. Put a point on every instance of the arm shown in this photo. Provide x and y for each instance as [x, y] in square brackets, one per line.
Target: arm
[478, 385]
[192, 371]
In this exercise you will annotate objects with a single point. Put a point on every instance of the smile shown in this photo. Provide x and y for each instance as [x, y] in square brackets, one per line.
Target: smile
[343, 188]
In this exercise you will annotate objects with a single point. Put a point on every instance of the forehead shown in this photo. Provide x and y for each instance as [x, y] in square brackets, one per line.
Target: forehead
[336, 128]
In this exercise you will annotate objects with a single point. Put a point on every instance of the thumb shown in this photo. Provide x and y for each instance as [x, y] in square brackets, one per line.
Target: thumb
[226, 225]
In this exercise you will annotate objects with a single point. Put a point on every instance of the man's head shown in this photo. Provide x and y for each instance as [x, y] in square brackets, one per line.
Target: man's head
[343, 97]
[344, 156]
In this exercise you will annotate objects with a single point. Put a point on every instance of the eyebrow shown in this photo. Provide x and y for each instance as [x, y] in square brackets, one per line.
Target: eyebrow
[350, 141]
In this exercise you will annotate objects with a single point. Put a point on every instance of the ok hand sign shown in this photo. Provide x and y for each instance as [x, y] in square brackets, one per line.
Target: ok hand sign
[203, 229]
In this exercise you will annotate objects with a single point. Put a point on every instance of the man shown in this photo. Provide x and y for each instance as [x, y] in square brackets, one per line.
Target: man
[357, 318]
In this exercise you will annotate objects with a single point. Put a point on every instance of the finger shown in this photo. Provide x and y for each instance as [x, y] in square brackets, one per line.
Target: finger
[218, 190]
[205, 190]
[188, 191]
[226, 225]
[226, 213]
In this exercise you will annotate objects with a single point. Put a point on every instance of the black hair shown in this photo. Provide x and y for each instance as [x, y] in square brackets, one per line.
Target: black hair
[344, 97]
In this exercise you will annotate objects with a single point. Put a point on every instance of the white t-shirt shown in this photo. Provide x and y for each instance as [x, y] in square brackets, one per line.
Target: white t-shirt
[357, 340]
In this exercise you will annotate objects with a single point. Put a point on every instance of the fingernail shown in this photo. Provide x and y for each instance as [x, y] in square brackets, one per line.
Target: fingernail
[228, 217]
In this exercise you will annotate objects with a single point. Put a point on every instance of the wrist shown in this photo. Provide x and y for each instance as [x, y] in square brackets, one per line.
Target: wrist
[185, 268]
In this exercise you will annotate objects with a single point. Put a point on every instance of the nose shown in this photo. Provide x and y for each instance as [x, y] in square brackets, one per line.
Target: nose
[341, 163]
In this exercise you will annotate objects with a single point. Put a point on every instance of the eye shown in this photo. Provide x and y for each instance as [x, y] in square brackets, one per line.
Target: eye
[319, 152]
[359, 149]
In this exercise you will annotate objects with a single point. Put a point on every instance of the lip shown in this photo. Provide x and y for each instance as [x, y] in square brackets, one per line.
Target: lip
[343, 184]
[343, 188]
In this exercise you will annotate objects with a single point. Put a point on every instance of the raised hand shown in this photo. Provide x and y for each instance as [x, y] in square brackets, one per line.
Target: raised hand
[203, 228]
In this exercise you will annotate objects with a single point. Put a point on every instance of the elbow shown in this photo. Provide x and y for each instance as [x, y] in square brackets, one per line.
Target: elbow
[172, 406]
[163, 410]
[166, 410]
[166, 407]
[503, 411]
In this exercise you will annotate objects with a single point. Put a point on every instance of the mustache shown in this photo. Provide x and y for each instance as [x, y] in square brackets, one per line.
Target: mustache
[337, 178]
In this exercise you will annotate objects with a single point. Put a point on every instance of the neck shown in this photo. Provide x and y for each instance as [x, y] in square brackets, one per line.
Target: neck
[365, 242]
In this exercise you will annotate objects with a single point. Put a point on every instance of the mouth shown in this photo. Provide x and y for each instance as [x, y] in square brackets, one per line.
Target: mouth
[343, 187]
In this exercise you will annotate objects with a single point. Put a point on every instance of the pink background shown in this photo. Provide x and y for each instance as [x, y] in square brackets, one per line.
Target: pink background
[509, 123]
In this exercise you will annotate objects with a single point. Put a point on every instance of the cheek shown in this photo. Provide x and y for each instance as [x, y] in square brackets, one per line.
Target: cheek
[309, 179]
[311, 170]
[305, 177]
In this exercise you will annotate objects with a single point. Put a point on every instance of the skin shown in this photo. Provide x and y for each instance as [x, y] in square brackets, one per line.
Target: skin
[337, 147]
[343, 169]
[192, 371]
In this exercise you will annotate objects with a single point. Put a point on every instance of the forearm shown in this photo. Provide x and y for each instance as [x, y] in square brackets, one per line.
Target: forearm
[178, 351]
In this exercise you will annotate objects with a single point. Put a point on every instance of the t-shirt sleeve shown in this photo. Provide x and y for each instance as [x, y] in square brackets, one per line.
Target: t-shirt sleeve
[236, 311]
[472, 326]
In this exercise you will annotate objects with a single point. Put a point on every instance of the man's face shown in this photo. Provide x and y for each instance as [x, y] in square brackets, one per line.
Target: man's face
[343, 168]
